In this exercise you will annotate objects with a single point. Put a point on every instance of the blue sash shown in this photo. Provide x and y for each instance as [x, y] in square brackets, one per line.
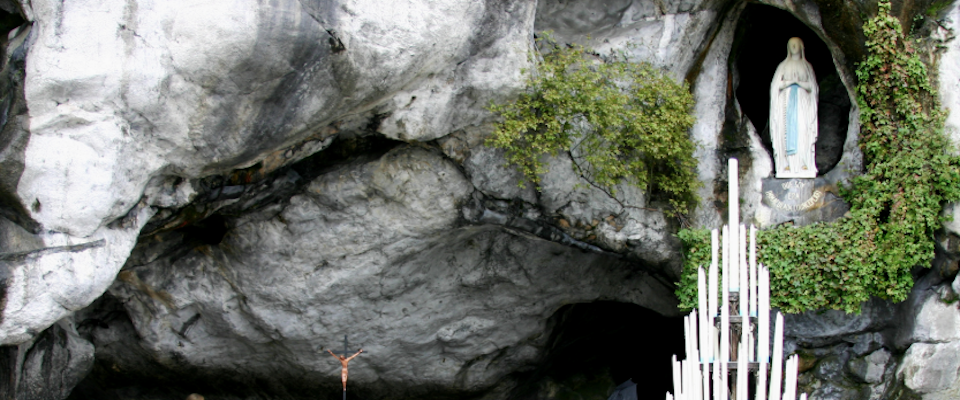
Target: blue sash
[792, 121]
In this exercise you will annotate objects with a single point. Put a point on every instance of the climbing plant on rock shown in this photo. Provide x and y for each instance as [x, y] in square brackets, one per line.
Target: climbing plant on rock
[621, 122]
[895, 205]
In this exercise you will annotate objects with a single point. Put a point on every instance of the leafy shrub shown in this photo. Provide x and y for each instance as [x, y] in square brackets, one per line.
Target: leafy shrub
[620, 121]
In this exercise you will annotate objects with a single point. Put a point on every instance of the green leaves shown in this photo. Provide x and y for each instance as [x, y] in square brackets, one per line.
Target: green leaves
[621, 122]
[894, 206]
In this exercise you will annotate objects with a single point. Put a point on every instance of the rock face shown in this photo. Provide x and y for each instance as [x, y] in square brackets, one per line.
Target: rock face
[844, 356]
[370, 250]
[249, 188]
[188, 97]
[47, 367]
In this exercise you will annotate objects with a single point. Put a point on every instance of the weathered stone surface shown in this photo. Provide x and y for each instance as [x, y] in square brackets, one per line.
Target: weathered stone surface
[817, 328]
[843, 371]
[956, 285]
[209, 96]
[933, 321]
[830, 392]
[669, 35]
[442, 268]
[48, 366]
[709, 90]
[949, 79]
[866, 342]
[931, 368]
[171, 93]
[489, 173]
[870, 368]
[67, 274]
[372, 251]
[269, 79]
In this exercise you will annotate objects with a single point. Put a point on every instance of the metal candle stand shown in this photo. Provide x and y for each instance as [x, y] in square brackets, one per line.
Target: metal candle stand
[730, 341]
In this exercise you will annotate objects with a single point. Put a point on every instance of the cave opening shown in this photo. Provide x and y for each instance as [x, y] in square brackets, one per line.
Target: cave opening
[593, 347]
[10, 18]
[209, 231]
[760, 44]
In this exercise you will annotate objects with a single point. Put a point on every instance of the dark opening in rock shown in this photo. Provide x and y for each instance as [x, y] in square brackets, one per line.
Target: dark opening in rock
[595, 346]
[10, 17]
[207, 231]
[759, 46]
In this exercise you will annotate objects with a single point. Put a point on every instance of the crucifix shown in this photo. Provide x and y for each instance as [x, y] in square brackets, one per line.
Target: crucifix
[344, 360]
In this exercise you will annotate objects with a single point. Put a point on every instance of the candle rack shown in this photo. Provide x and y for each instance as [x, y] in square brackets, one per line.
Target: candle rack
[733, 335]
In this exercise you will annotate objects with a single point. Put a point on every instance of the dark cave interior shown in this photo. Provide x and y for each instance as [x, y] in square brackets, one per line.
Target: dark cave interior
[595, 346]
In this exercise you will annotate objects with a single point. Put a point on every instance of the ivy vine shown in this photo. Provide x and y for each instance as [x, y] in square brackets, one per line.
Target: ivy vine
[621, 122]
[895, 205]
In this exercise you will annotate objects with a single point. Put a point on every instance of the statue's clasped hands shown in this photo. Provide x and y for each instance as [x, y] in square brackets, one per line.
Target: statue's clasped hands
[803, 85]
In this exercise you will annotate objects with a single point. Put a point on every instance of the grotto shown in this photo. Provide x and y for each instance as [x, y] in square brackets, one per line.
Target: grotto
[205, 196]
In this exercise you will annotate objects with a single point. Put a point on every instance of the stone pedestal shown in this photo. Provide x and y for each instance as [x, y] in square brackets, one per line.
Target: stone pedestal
[801, 201]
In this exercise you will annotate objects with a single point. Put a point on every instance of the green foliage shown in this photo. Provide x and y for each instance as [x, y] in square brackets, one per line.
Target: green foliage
[894, 205]
[696, 254]
[937, 7]
[620, 121]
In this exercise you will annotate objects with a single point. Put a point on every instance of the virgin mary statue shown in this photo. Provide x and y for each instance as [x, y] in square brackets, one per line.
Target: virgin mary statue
[793, 115]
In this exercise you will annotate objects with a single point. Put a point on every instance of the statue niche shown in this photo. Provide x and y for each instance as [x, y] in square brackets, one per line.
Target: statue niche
[793, 115]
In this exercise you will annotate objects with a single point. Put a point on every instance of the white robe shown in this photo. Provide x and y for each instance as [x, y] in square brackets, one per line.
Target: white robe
[803, 163]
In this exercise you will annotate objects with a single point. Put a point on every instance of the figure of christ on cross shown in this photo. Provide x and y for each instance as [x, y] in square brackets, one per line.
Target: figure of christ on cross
[343, 362]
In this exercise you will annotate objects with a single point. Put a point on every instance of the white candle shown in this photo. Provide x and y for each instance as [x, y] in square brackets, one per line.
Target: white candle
[725, 320]
[777, 364]
[698, 380]
[761, 382]
[689, 380]
[704, 310]
[694, 356]
[717, 381]
[744, 308]
[712, 279]
[753, 271]
[677, 388]
[684, 381]
[790, 389]
[712, 299]
[716, 343]
[724, 382]
[669, 397]
[742, 371]
[706, 381]
[725, 252]
[733, 213]
[746, 336]
[695, 377]
[687, 350]
[763, 317]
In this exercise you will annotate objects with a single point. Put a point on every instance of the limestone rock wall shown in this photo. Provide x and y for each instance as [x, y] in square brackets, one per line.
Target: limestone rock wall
[47, 367]
[250, 181]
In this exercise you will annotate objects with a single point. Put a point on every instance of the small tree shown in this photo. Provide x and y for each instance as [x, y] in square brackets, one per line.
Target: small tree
[621, 122]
